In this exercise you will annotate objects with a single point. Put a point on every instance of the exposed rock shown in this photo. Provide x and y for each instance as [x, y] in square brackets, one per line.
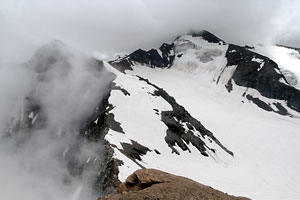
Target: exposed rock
[249, 47]
[107, 181]
[134, 150]
[281, 109]
[115, 87]
[177, 134]
[151, 184]
[264, 76]
[259, 103]
[208, 37]
[267, 107]
[162, 57]
[122, 64]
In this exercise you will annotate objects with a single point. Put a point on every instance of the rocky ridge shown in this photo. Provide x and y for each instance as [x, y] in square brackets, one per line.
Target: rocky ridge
[155, 184]
[251, 70]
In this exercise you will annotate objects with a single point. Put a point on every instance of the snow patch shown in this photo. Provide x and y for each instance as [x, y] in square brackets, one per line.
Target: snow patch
[159, 52]
[261, 61]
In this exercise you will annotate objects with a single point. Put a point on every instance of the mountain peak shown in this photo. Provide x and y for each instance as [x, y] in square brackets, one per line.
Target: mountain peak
[208, 36]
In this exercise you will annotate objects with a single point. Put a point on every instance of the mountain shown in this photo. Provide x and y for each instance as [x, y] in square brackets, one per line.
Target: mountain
[246, 100]
[244, 66]
[224, 115]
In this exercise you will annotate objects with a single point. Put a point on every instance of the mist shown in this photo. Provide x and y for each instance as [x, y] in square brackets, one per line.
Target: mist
[115, 26]
[44, 103]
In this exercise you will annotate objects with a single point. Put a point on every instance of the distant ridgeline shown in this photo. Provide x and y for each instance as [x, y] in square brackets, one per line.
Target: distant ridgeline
[252, 70]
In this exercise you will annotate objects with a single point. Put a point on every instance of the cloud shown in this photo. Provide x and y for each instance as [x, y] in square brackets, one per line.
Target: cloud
[116, 25]
[44, 103]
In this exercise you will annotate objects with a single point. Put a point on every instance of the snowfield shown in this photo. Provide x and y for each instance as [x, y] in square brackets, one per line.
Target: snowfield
[266, 145]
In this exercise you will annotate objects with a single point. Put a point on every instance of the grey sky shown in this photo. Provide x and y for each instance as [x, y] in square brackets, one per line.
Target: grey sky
[124, 25]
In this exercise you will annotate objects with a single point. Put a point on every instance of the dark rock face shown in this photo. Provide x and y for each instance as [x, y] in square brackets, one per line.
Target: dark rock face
[265, 77]
[208, 37]
[162, 57]
[281, 109]
[106, 181]
[151, 184]
[122, 64]
[259, 103]
[267, 107]
[176, 133]
[134, 150]
[94, 130]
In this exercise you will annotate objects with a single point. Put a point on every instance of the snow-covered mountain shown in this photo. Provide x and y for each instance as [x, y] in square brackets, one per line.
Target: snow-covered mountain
[248, 102]
[221, 114]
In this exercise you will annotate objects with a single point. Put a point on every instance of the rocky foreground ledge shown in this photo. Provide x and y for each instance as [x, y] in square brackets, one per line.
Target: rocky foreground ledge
[153, 184]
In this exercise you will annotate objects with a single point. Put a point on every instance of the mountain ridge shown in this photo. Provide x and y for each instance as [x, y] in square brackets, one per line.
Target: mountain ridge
[265, 75]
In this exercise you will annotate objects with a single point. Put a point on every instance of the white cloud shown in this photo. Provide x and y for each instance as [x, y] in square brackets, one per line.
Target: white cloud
[118, 25]
[67, 86]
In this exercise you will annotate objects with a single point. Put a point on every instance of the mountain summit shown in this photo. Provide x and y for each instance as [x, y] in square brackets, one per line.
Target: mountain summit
[244, 66]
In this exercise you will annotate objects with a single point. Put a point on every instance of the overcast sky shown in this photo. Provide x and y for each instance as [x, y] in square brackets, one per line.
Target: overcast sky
[125, 25]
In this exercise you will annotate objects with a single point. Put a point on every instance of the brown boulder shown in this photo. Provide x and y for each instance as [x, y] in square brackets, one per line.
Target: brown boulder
[151, 184]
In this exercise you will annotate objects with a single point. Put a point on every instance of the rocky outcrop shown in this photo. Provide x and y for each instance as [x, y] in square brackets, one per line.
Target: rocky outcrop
[177, 119]
[261, 104]
[154, 184]
[106, 181]
[134, 150]
[161, 58]
[209, 37]
[261, 73]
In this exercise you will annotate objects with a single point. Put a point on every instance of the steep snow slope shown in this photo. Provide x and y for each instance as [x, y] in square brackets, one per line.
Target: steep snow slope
[140, 114]
[266, 145]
